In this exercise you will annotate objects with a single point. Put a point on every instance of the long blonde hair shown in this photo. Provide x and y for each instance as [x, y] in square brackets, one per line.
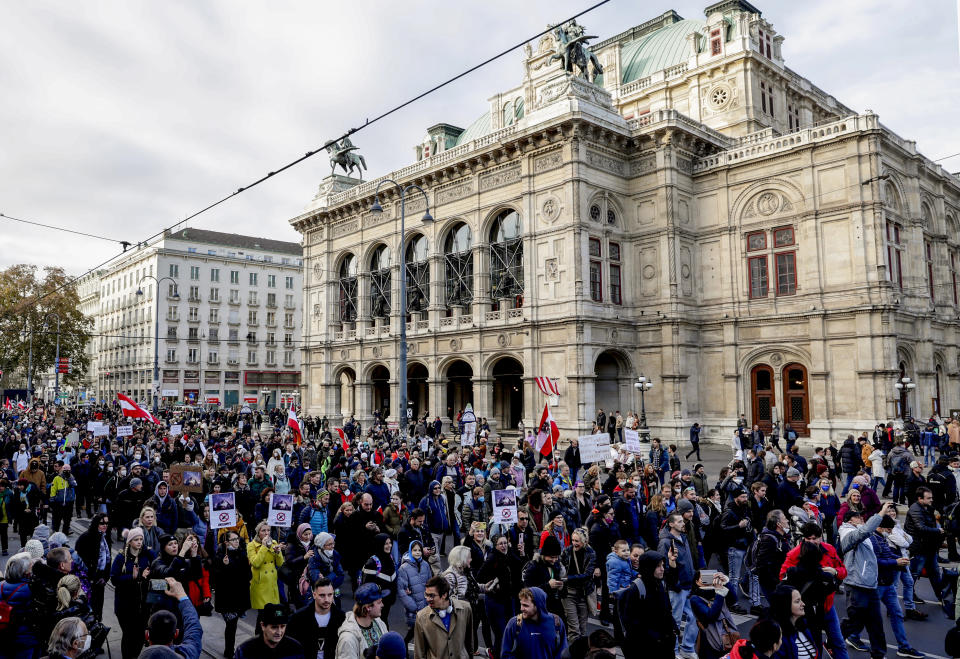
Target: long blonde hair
[67, 589]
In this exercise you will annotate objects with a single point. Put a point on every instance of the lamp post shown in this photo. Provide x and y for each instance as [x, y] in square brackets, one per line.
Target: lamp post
[377, 208]
[904, 386]
[156, 337]
[643, 384]
[23, 335]
[56, 368]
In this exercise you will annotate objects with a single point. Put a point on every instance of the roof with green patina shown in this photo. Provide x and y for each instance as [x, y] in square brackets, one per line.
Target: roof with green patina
[658, 50]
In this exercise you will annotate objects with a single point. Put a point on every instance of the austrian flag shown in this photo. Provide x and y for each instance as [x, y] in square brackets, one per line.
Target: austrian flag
[548, 433]
[547, 386]
[343, 440]
[129, 408]
[294, 426]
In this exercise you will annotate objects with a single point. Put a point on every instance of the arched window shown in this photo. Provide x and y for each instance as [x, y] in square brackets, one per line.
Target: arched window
[418, 274]
[892, 197]
[506, 258]
[380, 282]
[348, 289]
[458, 266]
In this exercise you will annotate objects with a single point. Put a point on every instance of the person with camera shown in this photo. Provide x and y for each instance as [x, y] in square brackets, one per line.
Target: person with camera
[180, 563]
[163, 628]
[265, 556]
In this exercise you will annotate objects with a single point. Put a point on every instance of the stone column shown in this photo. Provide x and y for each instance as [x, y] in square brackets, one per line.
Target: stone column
[481, 282]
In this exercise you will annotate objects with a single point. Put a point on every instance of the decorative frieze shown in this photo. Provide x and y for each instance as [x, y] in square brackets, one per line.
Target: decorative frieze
[548, 161]
[454, 191]
[499, 178]
[643, 165]
[344, 228]
[603, 161]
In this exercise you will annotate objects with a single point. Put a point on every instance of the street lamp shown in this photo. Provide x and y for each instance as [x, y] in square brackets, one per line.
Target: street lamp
[156, 337]
[904, 386]
[427, 218]
[56, 369]
[643, 385]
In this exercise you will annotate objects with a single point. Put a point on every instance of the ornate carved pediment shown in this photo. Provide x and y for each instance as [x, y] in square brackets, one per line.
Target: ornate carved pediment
[768, 203]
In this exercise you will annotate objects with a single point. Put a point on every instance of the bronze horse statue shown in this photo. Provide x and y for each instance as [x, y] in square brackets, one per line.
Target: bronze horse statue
[343, 154]
[572, 51]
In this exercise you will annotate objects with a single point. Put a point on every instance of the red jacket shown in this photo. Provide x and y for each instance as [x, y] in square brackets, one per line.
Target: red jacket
[830, 559]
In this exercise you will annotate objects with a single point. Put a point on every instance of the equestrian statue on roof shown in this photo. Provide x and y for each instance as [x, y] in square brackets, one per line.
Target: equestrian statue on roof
[572, 51]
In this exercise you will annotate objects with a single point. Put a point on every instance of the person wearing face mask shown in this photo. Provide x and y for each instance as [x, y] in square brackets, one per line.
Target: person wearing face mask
[21, 458]
[773, 544]
[70, 639]
[232, 574]
[325, 562]
[165, 507]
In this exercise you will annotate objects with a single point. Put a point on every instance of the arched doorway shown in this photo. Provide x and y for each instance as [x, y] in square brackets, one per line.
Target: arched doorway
[417, 392]
[508, 393]
[607, 384]
[380, 383]
[761, 393]
[459, 387]
[795, 399]
[346, 392]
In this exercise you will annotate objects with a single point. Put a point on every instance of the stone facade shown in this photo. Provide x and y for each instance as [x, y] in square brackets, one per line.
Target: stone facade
[721, 226]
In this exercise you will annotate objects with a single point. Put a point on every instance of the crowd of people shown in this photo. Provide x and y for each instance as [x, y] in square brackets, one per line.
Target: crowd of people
[663, 555]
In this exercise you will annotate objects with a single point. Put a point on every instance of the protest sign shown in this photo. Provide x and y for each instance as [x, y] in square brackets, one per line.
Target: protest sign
[504, 506]
[186, 478]
[469, 435]
[124, 431]
[91, 425]
[223, 510]
[73, 439]
[424, 445]
[631, 441]
[281, 510]
[101, 430]
[594, 448]
[176, 430]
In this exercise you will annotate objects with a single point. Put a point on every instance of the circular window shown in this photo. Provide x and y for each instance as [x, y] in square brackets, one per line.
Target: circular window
[720, 96]
[611, 217]
[595, 213]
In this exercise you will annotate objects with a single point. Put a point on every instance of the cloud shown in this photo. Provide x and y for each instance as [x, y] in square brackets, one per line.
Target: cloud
[123, 117]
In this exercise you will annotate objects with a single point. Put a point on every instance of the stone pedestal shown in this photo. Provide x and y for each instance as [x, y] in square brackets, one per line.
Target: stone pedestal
[330, 186]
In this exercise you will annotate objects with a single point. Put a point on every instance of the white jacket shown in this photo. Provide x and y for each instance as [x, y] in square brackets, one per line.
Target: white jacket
[350, 643]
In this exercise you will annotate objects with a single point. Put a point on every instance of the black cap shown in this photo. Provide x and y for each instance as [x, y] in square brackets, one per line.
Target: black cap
[274, 614]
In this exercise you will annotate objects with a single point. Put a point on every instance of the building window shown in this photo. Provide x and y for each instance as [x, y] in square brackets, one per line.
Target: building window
[458, 266]
[953, 275]
[271, 299]
[288, 301]
[766, 97]
[595, 213]
[288, 357]
[783, 237]
[194, 293]
[194, 313]
[252, 317]
[596, 282]
[288, 282]
[214, 315]
[192, 355]
[928, 253]
[894, 254]
[765, 44]
[171, 354]
[271, 281]
[214, 274]
[418, 274]
[756, 240]
[173, 290]
[793, 117]
[194, 272]
[214, 334]
[715, 42]
[594, 247]
[251, 356]
[506, 259]
[288, 320]
[271, 318]
[234, 276]
[253, 278]
[252, 297]
[615, 286]
[214, 294]
[758, 276]
[234, 296]
[786, 273]
[174, 270]
[348, 289]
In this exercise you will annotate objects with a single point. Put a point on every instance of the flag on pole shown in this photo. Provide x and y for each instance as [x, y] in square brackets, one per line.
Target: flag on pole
[294, 425]
[548, 386]
[21, 405]
[8, 405]
[130, 408]
[548, 432]
[343, 440]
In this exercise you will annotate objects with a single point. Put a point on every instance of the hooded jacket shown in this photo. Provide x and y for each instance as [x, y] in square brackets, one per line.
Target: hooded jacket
[858, 555]
[685, 566]
[438, 519]
[350, 643]
[656, 638]
[412, 580]
[543, 638]
[165, 507]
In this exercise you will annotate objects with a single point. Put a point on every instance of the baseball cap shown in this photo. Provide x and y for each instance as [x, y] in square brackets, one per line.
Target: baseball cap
[274, 614]
[369, 593]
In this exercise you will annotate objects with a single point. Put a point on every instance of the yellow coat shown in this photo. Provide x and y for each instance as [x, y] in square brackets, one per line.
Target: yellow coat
[263, 582]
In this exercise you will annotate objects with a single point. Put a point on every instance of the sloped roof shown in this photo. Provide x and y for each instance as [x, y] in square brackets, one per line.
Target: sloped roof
[658, 50]
[206, 237]
[478, 128]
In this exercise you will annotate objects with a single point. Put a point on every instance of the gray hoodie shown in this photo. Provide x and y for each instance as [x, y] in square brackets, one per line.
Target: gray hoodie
[858, 555]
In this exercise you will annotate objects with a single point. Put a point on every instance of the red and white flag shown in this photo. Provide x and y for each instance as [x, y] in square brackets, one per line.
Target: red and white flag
[294, 425]
[8, 405]
[343, 440]
[128, 407]
[548, 386]
[21, 405]
[548, 432]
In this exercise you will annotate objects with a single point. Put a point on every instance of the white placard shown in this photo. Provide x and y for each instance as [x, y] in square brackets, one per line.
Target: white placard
[124, 431]
[101, 431]
[223, 510]
[504, 506]
[73, 439]
[281, 510]
[424, 446]
[594, 448]
[469, 435]
[631, 441]
[91, 425]
[169, 393]
[176, 430]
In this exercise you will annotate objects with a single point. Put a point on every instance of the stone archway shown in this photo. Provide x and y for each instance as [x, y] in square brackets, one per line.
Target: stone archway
[609, 372]
[507, 393]
[346, 390]
[380, 390]
[418, 392]
[459, 387]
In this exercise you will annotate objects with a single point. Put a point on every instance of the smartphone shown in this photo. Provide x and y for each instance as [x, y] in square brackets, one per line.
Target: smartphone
[706, 576]
[159, 585]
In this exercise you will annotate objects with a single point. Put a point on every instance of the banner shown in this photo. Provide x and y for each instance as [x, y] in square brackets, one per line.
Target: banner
[223, 510]
[424, 446]
[169, 393]
[631, 441]
[594, 448]
[281, 510]
[469, 435]
[93, 424]
[504, 506]
[124, 431]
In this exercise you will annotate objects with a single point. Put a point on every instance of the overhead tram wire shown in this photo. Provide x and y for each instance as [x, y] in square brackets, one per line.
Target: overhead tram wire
[125, 243]
[323, 147]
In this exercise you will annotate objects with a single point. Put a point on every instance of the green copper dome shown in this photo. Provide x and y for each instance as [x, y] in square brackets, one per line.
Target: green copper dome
[478, 128]
[658, 50]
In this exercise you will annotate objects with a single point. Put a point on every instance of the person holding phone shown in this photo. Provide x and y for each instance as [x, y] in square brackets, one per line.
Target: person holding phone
[265, 556]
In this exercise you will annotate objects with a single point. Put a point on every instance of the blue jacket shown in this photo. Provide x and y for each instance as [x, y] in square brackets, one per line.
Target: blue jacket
[330, 568]
[412, 580]
[887, 568]
[317, 518]
[21, 603]
[192, 632]
[380, 494]
[858, 554]
[436, 509]
[685, 568]
[619, 572]
[545, 638]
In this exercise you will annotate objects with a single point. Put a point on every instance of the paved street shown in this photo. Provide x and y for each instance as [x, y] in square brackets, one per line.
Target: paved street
[925, 636]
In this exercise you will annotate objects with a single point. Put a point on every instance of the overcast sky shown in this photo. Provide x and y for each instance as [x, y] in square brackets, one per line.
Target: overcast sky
[119, 118]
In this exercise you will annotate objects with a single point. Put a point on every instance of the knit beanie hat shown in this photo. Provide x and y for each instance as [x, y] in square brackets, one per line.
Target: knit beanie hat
[34, 548]
[131, 534]
[321, 539]
[551, 546]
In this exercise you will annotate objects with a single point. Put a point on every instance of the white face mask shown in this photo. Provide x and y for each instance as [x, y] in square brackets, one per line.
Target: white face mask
[328, 553]
[86, 643]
